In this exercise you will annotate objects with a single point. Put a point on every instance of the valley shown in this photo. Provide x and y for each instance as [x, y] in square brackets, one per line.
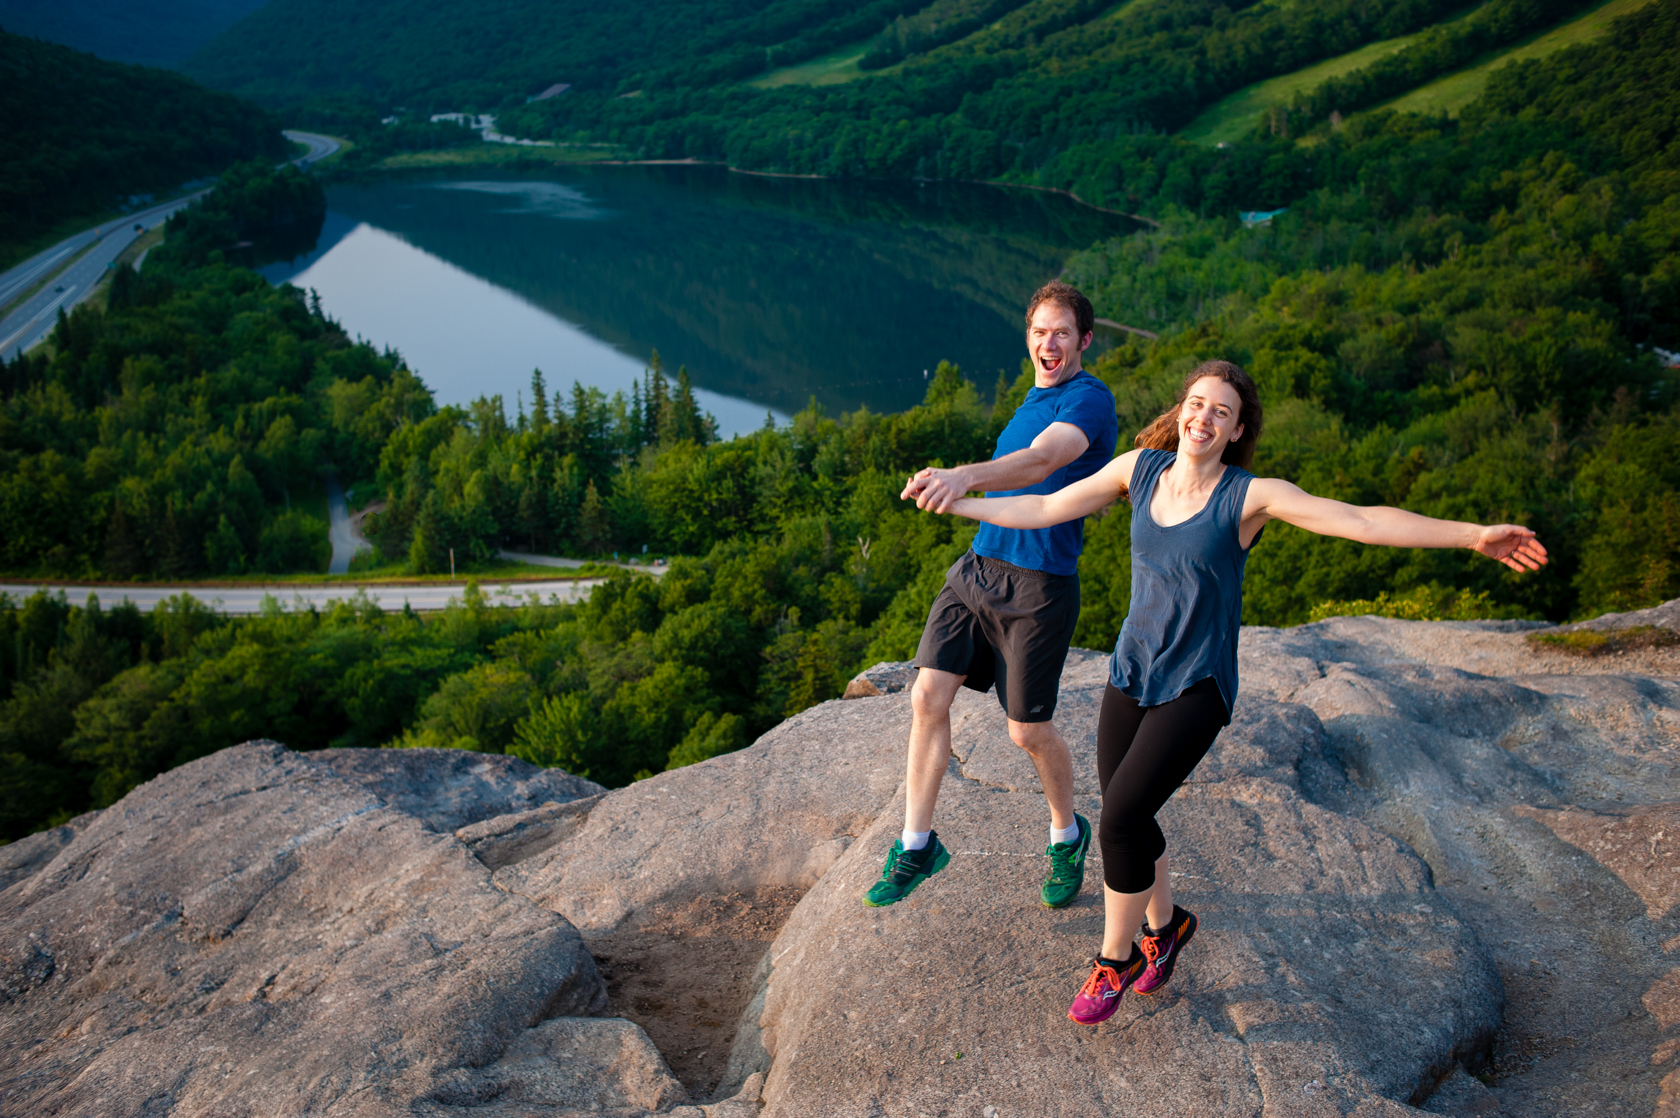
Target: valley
[755, 264]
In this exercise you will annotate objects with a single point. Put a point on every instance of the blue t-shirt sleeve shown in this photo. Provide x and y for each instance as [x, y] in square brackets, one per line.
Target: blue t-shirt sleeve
[1091, 409]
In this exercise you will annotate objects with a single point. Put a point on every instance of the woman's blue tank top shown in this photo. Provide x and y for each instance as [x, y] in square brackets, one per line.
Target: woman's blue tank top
[1186, 592]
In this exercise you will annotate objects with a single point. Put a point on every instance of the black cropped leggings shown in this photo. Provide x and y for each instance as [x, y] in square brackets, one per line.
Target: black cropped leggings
[1143, 755]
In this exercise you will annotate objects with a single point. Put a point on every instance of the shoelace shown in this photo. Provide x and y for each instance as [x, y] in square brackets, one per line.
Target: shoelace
[1152, 947]
[1061, 861]
[902, 869]
[1093, 985]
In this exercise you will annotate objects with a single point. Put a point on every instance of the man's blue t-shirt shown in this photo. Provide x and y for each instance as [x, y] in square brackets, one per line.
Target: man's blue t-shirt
[1085, 402]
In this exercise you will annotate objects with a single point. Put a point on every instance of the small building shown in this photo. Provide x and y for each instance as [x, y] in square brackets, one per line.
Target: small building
[1253, 218]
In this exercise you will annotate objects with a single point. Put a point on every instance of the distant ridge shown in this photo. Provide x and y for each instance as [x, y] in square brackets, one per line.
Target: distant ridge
[151, 32]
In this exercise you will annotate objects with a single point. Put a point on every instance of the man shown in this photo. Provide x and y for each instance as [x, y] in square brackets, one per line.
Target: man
[1010, 604]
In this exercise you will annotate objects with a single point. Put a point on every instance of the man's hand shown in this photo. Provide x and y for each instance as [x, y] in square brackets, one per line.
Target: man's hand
[1512, 545]
[936, 490]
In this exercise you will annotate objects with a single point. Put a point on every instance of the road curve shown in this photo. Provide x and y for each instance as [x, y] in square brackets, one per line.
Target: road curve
[319, 146]
[247, 600]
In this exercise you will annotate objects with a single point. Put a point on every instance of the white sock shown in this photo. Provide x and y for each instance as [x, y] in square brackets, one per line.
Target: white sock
[914, 840]
[1065, 834]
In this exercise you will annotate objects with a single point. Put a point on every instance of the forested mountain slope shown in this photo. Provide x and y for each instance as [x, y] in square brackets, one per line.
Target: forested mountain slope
[149, 32]
[436, 53]
[964, 89]
[82, 134]
[1453, 316]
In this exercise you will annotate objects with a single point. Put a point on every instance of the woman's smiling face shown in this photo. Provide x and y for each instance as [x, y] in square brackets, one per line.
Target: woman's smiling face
[1209, 418]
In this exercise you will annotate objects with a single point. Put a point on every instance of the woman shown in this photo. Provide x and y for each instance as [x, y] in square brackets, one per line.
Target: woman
[1196, 512]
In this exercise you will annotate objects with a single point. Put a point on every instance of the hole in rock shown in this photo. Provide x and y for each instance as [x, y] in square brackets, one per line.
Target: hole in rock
[683, 972]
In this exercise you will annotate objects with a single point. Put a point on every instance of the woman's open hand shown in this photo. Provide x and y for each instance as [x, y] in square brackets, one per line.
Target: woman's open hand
[1513, 545]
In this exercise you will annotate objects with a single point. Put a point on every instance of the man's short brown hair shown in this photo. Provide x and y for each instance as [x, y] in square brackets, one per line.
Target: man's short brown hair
[1067, 296]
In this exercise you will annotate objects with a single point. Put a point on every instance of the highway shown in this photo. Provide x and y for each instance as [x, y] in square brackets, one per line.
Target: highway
[35, 318]
[246, 600]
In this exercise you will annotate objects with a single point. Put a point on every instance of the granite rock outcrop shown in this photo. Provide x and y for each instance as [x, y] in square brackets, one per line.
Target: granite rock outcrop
[1433, 863]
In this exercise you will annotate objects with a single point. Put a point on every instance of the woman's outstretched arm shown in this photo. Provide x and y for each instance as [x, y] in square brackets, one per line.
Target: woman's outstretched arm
[1273, 499]
[1082, 498]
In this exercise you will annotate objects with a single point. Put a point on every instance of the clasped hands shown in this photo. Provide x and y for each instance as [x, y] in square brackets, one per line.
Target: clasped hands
[936, 489]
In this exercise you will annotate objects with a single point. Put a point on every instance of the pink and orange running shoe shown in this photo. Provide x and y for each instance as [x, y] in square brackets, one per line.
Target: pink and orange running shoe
[1100, 996]
[1162, 950]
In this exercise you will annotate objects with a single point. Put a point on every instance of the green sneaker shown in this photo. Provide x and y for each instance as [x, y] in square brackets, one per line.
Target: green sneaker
[904, 871]
[1067, 868]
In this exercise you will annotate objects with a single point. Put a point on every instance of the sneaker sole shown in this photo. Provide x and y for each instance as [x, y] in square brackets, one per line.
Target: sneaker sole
[1070, 900]
[1172, 961]
[939, 863]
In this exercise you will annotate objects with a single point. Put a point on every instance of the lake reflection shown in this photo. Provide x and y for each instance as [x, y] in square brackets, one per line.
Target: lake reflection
[771, 291]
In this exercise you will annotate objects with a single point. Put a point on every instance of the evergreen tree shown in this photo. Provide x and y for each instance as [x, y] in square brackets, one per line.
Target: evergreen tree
[539, 403]
[533, 516]
[594, 529]
[637, 434]
[224, 551]
[656, 403]
[177, 557]
[124, 555]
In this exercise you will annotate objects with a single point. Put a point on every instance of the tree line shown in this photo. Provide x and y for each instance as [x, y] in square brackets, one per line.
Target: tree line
[801, 562]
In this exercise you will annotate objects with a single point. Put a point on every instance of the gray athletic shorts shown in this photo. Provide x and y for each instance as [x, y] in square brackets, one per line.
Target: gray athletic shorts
[998, 623]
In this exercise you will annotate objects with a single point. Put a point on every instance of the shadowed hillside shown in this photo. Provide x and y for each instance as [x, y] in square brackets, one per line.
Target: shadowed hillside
[83, 134]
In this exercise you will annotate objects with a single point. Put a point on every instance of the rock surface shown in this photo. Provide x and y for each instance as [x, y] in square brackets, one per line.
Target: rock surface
[882, 679]
[255, 934]
[1300, 905]
[1433, 865]
[451, 788]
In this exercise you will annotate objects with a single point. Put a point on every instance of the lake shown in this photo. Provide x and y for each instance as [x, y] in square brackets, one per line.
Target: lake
[771, 291]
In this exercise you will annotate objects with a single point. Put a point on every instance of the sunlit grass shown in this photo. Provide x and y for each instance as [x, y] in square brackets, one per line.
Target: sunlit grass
[833, 68]
[481, 154]
[345, 147]
[1450, 94]
[841, 65]
[1594, 642]
[1234, 117]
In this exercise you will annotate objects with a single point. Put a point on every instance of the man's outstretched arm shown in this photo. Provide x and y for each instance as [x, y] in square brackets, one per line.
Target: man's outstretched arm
[938, 489]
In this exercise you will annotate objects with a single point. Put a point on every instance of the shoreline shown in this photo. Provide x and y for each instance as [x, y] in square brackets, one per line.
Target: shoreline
[734, 170]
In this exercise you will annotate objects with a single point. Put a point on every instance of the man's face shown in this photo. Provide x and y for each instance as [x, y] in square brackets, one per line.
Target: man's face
[1055, 345]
